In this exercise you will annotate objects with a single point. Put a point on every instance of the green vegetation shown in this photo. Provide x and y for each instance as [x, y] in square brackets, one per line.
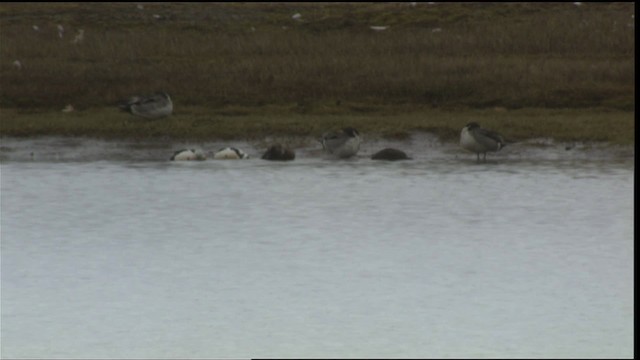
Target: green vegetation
[251, 70]
[616, 127]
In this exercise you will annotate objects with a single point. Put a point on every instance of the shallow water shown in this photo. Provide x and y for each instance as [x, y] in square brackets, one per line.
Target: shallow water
[133, 256]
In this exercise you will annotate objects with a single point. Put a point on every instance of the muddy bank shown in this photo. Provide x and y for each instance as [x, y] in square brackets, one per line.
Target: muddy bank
[419, 146]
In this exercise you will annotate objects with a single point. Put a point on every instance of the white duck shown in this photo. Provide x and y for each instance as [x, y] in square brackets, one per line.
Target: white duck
[342, 144]
[230, 153]
[187, 155]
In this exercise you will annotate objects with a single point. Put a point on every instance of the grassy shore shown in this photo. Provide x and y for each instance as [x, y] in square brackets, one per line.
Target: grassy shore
[613, 126]
[250, 70]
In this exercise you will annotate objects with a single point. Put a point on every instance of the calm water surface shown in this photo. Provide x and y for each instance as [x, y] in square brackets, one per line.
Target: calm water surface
[525, 256]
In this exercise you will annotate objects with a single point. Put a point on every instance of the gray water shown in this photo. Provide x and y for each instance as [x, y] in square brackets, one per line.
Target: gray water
[111, 251]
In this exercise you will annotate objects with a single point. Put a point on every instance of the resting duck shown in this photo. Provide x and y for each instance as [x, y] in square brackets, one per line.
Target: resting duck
[230, 153]
[342, 144]
[390, 154]
[151, 107]
[279, 153]
[187, 154]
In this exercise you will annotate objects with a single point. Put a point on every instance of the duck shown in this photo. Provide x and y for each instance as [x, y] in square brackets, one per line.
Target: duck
[230, 153]
[279, 153]
[479, 140]
[390, 154]
[342, 144]
[188, 154]
[153, 106]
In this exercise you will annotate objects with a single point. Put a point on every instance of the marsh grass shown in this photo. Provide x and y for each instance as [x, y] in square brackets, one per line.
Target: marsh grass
[199, 123]
[239, 59]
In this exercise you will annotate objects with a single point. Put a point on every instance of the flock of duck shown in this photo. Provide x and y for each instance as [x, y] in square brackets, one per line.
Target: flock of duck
[341, 144]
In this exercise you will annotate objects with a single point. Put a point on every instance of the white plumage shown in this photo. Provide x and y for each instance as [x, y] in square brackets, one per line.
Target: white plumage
[479, 140]
[230, 153]
[188, 155]
[342, 144]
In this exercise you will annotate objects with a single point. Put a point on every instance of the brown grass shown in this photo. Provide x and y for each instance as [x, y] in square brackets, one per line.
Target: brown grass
[512, 55]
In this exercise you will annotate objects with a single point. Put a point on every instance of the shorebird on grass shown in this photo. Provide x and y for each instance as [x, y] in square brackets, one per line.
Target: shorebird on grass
[479, 140]
[151, 107]
[342, 144]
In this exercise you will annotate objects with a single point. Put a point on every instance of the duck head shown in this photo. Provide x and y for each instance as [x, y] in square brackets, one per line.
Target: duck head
[351, 132]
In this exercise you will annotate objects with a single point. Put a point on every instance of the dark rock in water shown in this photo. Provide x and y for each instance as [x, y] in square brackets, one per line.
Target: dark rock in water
[390, 155]
[279, 153]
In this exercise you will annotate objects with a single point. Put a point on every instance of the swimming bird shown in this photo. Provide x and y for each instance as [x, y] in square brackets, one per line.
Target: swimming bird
[479, 140]
[188, 154]
[279, 153]
[151, 107]
[230, 153]
[342, 144]
[390, 154]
